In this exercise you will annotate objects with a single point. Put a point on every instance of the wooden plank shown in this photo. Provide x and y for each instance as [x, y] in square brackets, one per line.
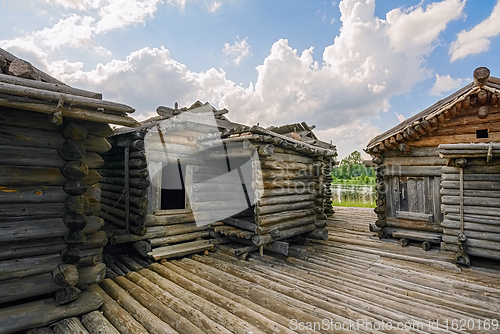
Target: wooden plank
[414, 216]
[413, 225]
[420, 196]
[412, 195]
[434, 238]
[389, 202]
[436, 199]
[168, 252]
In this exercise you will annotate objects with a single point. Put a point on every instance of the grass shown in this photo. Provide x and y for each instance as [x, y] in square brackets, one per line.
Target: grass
[353, 203]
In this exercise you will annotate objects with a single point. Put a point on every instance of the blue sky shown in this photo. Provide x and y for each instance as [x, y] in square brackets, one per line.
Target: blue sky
[353, 68]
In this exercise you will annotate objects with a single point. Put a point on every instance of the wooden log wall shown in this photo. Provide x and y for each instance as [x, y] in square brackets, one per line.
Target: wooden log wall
[150, 229]
[288, 185]
[49, 197]
[124, 185]
[408, 200]
[327, 186]
[481, 203]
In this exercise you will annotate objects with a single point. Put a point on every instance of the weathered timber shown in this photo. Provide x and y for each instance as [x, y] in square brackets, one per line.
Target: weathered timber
[272, 209]
[260, 240]
[67, 111]
[134, 182]
[42, 228]
[279, 217]
[69, 326]
[65, 275]
[30, 176]
[413, 225]
[186, 309]
[179, 250]
[43, 312]
[407, 215]
[477, 243]
[416, 235]
[248, 226]
[74, 100]
[120, 189]
[75, 170]
[163, 312]
[473, 234]
[319, 233]
[41, 194]
[143, 315]
[159, 232]
[156, 242]
[119, 317]
[412, 171]
[53, 87]
[95, 322]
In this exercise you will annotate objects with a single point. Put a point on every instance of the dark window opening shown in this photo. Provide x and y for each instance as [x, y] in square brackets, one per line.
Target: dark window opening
[173, 190]
[482, 133]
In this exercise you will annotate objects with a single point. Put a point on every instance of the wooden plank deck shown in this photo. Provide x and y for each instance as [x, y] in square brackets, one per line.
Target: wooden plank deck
[353, 277]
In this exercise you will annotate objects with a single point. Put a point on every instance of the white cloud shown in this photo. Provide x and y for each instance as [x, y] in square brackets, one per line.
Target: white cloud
[418, 29]
[445, 83]
[177, 3]
[118, 14]
[214, 6]
[348, 137]
[477, 39]
[79, 31]
[400, 117]
[239, 50]
[367, 64]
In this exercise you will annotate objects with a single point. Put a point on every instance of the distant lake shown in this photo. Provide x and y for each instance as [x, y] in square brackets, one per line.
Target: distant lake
[353, 195]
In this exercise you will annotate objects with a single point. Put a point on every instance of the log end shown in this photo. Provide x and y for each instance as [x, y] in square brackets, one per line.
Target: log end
[481, 75]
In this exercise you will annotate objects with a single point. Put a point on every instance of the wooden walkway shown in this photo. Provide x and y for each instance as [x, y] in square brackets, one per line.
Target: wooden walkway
[353, 277]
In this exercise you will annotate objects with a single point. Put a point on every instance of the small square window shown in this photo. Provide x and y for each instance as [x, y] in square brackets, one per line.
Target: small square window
[482, 133]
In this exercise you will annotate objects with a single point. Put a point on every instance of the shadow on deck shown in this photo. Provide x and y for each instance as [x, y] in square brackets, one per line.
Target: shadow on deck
[327, 285]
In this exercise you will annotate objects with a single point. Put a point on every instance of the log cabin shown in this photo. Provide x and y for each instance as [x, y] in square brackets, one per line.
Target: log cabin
[52, 137]
[438, 173]
[193, 175]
